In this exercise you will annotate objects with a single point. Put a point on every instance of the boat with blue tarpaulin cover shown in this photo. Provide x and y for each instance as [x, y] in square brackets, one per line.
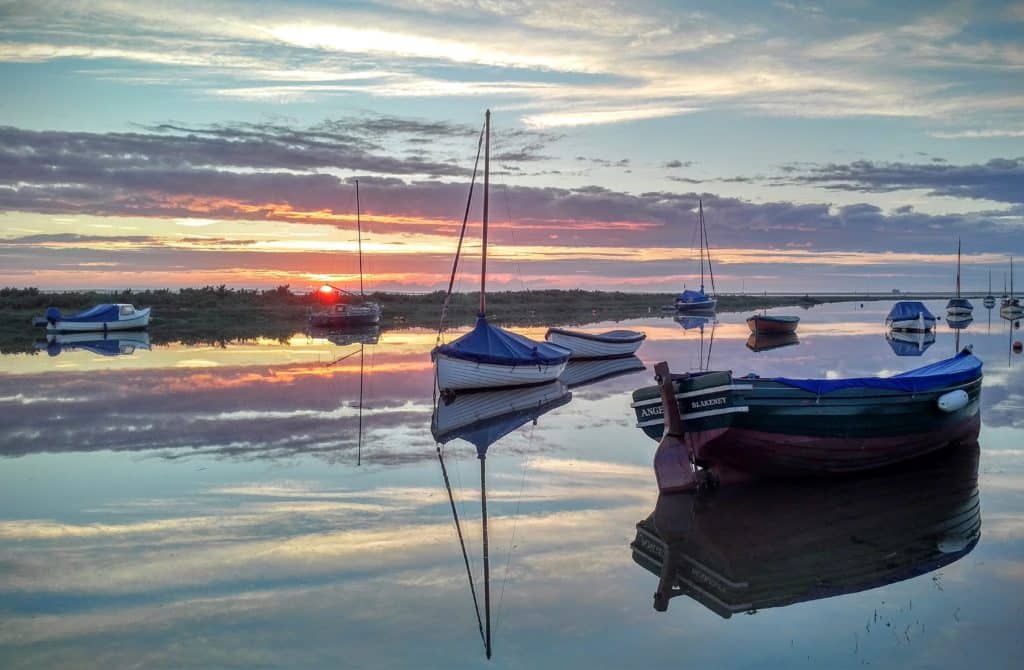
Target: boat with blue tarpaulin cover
[734, 428]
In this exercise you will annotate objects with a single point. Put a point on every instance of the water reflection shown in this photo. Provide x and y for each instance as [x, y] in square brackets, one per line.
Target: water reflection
[906, 343]
[116, 343]
[482, 418]
[775, 544]
[758, 342]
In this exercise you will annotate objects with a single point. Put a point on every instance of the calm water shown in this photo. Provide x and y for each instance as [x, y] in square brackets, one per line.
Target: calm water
[190, 506]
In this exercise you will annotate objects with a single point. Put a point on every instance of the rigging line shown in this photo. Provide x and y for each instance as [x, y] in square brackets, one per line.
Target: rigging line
[462, 543]
[462, 235]
[512, 230]
[515, 525]
[338, 360]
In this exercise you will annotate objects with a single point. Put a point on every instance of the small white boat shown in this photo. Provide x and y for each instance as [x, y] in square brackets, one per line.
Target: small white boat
[491, 357]
[581, 372]
[100, 318]
[1011, 309]
[910, 315]
[610, 344]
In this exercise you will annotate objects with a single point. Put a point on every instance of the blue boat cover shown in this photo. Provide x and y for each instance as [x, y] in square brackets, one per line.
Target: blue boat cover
[909, 309]
[689, 296]
[961, 368]
[95, 314]
[490, 344]
[691, 322]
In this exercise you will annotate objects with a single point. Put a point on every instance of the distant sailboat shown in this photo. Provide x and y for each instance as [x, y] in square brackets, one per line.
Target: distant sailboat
[958, 309]
[489, 356]
[357, 313]
[698, 302]
[1011, 308]
[990, 300]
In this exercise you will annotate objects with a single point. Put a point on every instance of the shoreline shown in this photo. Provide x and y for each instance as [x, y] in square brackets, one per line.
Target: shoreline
[219, 315]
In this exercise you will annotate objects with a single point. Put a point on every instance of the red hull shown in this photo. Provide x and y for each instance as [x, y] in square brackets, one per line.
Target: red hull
[735, 454]
[760, 324]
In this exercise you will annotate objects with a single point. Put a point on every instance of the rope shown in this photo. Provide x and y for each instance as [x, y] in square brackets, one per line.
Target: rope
[515, 526]
[462, 235]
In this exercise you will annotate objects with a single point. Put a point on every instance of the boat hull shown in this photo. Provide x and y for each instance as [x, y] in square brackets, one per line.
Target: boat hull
[741, 428]
[585, 345]
[457, 374]
[702, 307]
[765, 324]
[139, 321]
[1012, 312]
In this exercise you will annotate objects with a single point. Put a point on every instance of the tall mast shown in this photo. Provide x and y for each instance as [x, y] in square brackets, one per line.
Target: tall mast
[700, 241]
[487, 179]
[958, 267]
[359, 234]
[359, 452]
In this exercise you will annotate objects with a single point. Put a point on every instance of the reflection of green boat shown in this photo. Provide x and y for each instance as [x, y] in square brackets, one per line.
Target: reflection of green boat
[772, 544]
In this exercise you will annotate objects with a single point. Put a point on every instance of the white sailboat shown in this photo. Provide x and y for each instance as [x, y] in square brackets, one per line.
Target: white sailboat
[488, 356]
[1011, 309]
[958, 309]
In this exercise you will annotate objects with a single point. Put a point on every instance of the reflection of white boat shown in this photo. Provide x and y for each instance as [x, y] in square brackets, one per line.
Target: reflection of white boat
[582, 372]
[959, 321]
[121, 344]
[365, 335]
[489, 415]
[483, 418]
[909, 344]
[596, 345]
[101, 318]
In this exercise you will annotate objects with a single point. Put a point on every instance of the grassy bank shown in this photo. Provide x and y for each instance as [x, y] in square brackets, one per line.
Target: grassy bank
[220, 314]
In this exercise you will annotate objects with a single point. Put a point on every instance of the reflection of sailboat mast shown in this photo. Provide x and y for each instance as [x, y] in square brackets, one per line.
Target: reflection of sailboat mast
[487, 568]
[462, 545]
[359, 449]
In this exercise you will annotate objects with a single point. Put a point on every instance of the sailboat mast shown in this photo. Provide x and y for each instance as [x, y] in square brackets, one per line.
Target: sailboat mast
[487, 179]
[359, 236]
[700, 241]
[958, 267]
[487, 565]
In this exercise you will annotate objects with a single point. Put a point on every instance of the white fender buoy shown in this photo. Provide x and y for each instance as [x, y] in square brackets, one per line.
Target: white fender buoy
[952, 401]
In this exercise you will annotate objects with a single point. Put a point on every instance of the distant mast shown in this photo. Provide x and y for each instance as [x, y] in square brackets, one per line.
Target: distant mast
[700, 241]
[958, 267]
[359, 236]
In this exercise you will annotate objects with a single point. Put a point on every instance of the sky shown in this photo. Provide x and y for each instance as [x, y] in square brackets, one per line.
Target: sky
[844, 147]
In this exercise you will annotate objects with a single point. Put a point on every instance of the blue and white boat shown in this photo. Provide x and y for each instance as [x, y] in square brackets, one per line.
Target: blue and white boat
[910, 315]
[699, 302]
[101, 318]
[489, 357]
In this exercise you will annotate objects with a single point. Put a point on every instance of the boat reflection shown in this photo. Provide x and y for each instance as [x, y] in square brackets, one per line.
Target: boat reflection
[769, 544]
[906, 343]
[346, 336]
[767, 341]
[115, 343]
[581, 372]
[482, 418]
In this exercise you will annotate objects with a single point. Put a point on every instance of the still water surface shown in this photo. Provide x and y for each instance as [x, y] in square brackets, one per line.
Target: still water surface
[203, 506]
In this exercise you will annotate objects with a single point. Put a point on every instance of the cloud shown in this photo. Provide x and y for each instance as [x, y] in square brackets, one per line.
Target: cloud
[672, 164]
[1000, 179]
